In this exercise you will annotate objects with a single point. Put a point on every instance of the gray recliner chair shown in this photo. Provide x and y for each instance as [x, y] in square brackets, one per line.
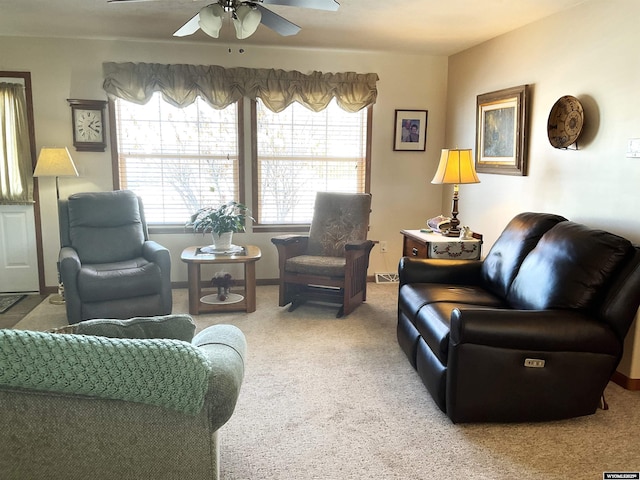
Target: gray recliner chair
[108, 265]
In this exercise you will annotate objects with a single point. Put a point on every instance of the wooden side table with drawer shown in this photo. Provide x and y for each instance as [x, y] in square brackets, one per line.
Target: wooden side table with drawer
[433, 245]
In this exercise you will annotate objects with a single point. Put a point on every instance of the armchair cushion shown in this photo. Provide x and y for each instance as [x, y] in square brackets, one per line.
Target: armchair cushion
[317, 265]
[337, 220]
[103, 233]
[109, 281]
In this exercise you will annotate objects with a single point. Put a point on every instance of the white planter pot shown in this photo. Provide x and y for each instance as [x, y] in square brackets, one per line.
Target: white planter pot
[222, 241]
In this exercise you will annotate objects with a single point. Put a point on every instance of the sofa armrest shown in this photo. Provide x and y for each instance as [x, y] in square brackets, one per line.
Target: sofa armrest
[225, 346]
[538, 330]
[457, 272]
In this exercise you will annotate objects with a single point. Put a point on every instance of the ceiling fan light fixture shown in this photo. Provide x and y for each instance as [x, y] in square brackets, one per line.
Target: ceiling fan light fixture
[246, 21]
[211, 18]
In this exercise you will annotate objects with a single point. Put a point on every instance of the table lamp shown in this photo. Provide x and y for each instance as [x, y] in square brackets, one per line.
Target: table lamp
[455, 167]
[55, 162]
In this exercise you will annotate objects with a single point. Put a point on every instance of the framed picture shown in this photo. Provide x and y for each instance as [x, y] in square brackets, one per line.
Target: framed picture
[411, 130]
[501, 132]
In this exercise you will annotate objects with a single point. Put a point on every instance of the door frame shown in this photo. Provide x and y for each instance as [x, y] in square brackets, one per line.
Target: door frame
[26, 78]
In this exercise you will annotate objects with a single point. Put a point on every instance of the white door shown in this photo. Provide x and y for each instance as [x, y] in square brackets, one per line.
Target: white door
[18, 257]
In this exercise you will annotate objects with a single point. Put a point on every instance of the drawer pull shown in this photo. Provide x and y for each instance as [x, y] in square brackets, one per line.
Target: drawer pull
[414, 251]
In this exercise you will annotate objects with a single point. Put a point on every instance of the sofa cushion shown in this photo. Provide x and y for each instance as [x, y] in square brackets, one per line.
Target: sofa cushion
[433, 322]
[568, 267]
[519, 237]
[433, 317]
[413, 296]
[177, 327]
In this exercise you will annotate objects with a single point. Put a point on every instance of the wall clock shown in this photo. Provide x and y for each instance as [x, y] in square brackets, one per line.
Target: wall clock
[565, 122]
[87, 121]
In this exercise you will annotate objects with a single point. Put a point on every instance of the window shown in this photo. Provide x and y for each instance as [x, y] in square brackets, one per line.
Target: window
[16, 142]
[300, 152]
[178, 159]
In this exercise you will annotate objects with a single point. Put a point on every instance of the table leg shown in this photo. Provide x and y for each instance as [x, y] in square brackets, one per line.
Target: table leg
[193, 282]
[250, 286]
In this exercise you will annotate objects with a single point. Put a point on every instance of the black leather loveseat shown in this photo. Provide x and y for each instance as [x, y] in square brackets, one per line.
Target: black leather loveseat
[534, 332]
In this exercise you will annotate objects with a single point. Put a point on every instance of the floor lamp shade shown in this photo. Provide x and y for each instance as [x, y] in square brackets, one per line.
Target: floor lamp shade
[55, 162]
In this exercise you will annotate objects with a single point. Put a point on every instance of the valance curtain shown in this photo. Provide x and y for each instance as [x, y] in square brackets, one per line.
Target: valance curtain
[16, 179]
[221, 87]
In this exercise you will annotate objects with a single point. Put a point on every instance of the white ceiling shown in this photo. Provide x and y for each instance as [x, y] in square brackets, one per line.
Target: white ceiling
[437, 27]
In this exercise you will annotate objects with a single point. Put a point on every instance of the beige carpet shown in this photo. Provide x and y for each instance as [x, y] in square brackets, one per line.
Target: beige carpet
[335, 399]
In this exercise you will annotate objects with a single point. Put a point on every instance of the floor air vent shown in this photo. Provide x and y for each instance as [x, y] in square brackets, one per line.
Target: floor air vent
[387, 278]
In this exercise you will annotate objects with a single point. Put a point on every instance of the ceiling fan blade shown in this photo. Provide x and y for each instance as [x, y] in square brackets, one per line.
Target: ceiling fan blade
[188, 28]
[277, 23]
[331, 5]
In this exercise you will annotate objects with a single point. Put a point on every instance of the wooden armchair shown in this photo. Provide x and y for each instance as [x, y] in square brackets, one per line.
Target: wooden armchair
[330, 264]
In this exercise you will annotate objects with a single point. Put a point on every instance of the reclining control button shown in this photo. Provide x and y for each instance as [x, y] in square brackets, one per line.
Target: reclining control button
[534, 362]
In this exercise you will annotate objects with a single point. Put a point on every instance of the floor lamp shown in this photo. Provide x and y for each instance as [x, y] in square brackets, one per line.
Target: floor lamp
[55, 162]
[455, 167]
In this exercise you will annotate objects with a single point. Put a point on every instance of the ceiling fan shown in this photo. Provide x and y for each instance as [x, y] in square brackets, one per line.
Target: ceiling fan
[246, 15]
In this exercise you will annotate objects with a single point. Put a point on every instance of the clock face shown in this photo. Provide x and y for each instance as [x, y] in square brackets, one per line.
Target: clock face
[88, 125]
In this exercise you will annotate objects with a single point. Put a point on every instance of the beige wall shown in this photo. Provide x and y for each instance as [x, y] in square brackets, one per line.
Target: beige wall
[402, 196]
[588, 52]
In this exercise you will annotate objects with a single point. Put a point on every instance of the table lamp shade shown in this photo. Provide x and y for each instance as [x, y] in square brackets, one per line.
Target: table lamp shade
[456, 167]
[55, 162]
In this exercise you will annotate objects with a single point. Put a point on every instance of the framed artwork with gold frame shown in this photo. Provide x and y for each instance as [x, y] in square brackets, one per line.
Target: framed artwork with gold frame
[501, 131]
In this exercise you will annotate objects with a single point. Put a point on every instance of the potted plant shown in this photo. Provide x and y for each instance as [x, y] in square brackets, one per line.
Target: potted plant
[222, 222]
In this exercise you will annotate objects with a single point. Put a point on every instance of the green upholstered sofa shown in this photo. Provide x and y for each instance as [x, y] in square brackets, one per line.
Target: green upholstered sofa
[106, 406]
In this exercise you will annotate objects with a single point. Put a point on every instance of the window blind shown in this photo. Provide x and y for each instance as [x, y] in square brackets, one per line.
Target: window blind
[301, 152]
[177, 159]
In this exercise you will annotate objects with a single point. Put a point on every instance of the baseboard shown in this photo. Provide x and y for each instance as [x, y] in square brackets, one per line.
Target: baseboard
[626, 382]
[260, 281]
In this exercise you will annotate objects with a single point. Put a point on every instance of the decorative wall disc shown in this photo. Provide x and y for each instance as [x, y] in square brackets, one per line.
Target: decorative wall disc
[565, 122]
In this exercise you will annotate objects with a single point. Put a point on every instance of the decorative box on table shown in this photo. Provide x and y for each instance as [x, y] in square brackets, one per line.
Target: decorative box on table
[434, 245]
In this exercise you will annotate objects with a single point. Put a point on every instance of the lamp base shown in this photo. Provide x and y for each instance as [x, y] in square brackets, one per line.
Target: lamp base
[57, 299]
[452, 232]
